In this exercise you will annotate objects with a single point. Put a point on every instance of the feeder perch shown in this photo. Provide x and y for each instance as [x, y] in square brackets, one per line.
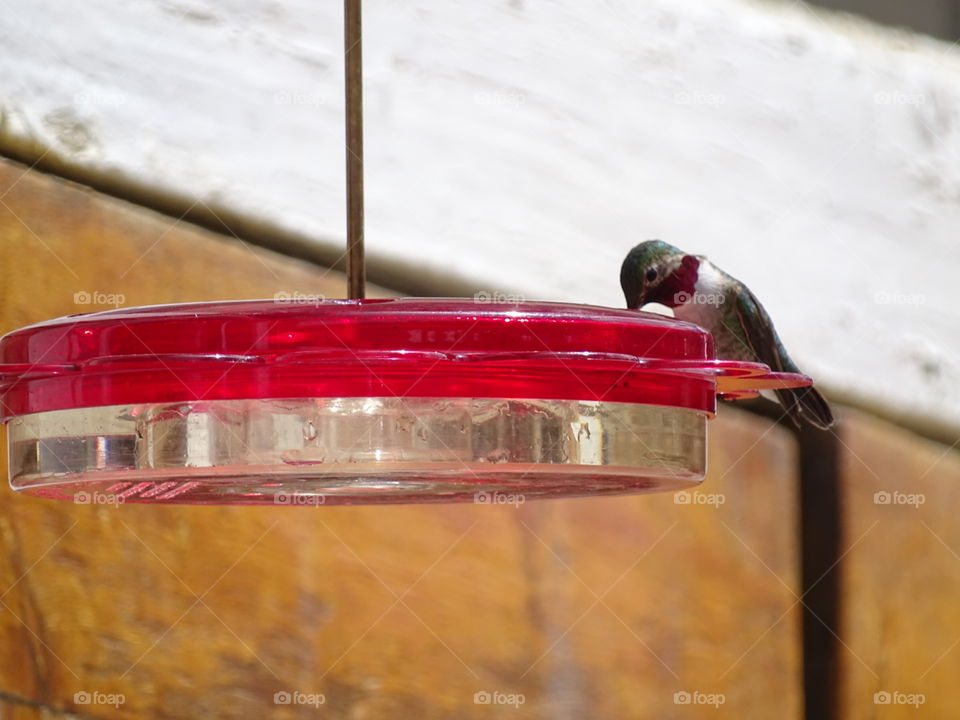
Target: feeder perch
[362, 402]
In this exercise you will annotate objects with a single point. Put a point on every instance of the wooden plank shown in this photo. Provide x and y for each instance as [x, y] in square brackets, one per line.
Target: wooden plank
[388, 612]
[900, 573]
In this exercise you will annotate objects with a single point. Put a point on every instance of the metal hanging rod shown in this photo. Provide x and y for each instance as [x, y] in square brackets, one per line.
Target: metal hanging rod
[353, 76]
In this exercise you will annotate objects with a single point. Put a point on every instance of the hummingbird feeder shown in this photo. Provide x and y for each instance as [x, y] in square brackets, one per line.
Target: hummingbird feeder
[362, 401]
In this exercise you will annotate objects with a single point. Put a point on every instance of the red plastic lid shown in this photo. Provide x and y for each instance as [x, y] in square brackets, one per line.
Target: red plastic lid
[338, 348]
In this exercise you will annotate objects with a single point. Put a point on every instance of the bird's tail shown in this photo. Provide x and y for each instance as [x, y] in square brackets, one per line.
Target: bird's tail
[806, 403]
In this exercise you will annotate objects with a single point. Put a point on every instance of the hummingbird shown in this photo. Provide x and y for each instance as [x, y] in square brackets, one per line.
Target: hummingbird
[699, 292]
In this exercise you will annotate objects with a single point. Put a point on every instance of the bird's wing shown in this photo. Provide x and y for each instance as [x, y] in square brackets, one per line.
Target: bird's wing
[762, 339]
[765, 346]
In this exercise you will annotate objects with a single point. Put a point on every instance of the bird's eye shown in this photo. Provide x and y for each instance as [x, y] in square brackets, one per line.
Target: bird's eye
[651, 274]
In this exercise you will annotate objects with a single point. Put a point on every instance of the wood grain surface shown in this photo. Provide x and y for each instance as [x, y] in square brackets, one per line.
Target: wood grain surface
[601, 608]
[901, 574]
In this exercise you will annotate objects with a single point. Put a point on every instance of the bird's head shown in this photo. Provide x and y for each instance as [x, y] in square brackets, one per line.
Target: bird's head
[655, 271]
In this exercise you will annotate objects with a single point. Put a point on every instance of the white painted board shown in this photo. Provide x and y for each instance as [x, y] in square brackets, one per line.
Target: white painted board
[526, 146]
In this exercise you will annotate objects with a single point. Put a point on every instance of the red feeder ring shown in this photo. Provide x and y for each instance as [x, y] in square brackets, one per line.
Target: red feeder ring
[370, 401]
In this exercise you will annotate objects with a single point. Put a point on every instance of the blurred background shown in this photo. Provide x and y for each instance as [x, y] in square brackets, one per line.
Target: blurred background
[186, 150]
[940, 18]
